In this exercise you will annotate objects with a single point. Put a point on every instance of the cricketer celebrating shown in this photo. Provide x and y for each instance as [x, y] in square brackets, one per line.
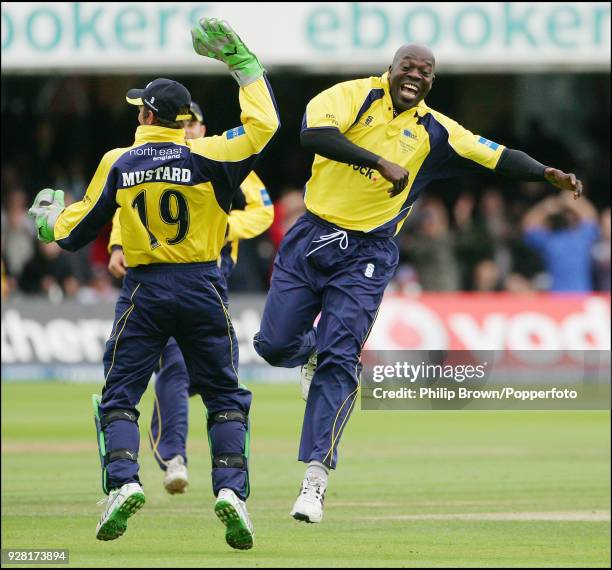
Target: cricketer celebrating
[175, 196]
[252, 213]
[378, 145]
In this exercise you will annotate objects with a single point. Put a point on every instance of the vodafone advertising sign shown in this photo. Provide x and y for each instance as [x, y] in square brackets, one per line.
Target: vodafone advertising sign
[492, 322]
[41, 340]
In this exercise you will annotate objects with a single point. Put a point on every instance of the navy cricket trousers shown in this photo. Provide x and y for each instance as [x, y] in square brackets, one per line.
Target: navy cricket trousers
[170, 417]
[187, 302]
[342, 275]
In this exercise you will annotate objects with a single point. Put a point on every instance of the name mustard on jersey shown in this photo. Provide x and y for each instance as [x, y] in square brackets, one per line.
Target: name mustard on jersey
[161, 173]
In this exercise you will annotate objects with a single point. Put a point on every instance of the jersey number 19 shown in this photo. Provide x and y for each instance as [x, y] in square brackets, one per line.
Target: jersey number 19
[178, 216]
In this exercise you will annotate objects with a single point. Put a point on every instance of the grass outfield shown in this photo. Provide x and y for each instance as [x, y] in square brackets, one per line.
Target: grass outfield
[427, 489]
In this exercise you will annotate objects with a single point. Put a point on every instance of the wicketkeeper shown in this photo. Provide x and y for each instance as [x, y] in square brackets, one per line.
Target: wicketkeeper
[252, 214]
[175, 197]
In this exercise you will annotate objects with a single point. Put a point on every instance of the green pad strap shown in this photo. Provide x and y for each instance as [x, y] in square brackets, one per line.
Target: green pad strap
[118, 454]
[117, 414]
[228, 416]
[229, 460]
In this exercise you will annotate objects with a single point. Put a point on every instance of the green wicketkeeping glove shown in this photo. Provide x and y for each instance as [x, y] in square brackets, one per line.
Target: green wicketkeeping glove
[47, 206]
[215, 38]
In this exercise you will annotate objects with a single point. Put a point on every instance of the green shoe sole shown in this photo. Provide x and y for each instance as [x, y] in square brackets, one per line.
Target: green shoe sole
[237, 534]
[116, 524]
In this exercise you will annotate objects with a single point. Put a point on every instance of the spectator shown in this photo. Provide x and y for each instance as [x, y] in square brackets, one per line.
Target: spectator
[518, 284]
[494, 213]
[286, 212]
[563, 231]
[601, 254]
[406, 280]
[18, 233]
[99, 288]
[49, 272]
[470, 238]
[486, 276]
[432, 249]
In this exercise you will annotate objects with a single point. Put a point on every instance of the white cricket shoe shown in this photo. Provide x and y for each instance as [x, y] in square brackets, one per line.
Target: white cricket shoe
[176, 479]
[121, 504]
[307, 374]
[232, 512]
[309, 504]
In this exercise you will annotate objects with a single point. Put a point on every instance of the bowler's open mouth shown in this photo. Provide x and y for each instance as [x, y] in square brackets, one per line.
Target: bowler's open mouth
[409, 90]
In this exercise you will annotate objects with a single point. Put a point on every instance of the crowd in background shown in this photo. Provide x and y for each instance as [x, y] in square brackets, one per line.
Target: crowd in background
[480, 233]
[489, 242]
[493, 243]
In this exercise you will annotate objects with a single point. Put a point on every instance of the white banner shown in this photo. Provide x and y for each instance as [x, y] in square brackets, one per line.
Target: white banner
[320, 36]
[42, 340]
